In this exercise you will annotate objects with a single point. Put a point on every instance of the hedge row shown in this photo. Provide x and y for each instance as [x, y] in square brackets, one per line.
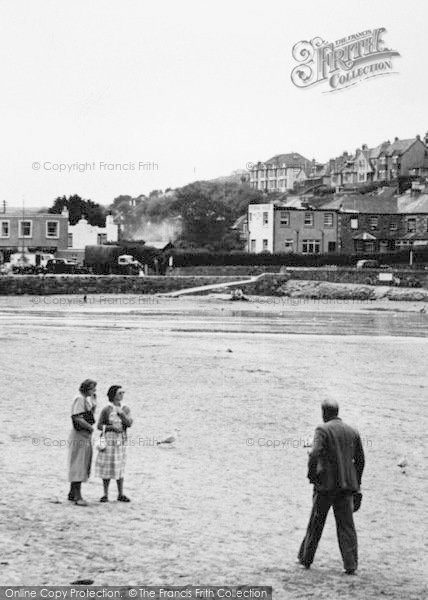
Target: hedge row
[183, 258]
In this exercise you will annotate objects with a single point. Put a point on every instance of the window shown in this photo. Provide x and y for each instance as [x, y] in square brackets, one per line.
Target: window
[288, 245]
[253, 245]
[311, 246]
[70, 240]
[101, 238]
[370, 247]
[354, 223]
[265, 218]
[373, 220]
[25, 229]
[393, 226]
[265, 244]
[250, 217]
[272, 185]
[328, 219]
[332, 246]
[4, 230]
[411, 225]
[309, 219]
[52, 229]
[284, 219]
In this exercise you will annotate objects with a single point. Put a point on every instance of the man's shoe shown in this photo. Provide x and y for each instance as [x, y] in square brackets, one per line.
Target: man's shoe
[304, 564]
[104, 499]
[350, 571]
[80, 502]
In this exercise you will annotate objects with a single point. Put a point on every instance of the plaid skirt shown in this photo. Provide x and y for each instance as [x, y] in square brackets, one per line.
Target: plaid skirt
[110, 464]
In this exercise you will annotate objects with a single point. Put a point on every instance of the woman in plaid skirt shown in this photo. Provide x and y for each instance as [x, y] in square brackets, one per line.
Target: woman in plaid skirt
[114, 421]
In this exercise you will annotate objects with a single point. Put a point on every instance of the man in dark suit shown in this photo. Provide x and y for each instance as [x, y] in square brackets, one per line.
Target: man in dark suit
[335, 467]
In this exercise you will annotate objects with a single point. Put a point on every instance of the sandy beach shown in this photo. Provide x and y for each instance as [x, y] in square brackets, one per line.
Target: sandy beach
[229, 503]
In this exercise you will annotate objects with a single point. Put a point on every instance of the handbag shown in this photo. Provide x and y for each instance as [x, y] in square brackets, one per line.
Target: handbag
[101, 443]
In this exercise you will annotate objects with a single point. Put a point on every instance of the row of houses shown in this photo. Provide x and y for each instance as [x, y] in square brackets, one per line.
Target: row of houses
[347, 224]
[384, 163]
[37, 234]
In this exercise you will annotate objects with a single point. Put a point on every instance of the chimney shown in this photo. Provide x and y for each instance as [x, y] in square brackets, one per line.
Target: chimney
[4, 206]
[396, 139]
[364, 147]
[418, 137]
[426, 139]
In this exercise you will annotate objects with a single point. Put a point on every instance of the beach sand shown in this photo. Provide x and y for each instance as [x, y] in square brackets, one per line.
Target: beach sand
[229, 503]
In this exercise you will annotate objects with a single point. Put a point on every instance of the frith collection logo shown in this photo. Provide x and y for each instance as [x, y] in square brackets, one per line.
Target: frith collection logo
[342, 63]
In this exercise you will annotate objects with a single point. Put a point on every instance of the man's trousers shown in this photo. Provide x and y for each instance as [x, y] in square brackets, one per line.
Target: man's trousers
[343, 506]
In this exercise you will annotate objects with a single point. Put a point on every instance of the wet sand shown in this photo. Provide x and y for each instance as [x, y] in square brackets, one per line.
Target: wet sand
[229, 504]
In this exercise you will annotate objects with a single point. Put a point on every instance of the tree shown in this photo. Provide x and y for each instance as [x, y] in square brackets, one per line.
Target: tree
[205, 219]
[78, 208]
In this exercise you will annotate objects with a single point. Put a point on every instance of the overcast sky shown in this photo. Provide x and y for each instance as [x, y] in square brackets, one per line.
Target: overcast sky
[198, 88]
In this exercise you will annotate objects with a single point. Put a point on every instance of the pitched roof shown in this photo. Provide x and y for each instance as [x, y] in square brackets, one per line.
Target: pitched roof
[365, 236]
[240, 221]
[374, 152]
[292, 159]
[416, 236]
[399, 146]
[412, 204]
[384, 203]
[340, 163]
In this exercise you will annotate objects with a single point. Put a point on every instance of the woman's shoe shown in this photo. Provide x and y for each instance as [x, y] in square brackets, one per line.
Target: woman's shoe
[80, 502]
[70, 497]
[104, 499]
[123, 498]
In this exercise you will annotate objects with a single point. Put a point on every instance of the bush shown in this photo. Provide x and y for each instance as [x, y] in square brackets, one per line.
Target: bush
[201, 257]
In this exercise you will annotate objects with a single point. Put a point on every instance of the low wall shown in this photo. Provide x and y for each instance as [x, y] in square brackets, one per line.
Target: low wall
[270, 285]
[38, 285]
[340, 275]
[232, 271]
[364, 276]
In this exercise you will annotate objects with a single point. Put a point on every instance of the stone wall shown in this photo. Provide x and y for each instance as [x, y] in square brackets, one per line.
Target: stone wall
[37, 285]
[117, 284]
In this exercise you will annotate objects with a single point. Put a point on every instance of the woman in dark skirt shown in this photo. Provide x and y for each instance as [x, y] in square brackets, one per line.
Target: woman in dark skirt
[80, 443]
[114, 421]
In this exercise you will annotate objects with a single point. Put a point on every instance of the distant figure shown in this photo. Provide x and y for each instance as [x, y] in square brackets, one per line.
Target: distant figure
[85, 299]
[171, 264]
[110, 464]
[80, 443]
[335, 468]
[163, 261]
[238, 294]
[156, 265]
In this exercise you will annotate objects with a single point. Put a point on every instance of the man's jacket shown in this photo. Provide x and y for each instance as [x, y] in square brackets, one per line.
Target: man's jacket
[336, 462]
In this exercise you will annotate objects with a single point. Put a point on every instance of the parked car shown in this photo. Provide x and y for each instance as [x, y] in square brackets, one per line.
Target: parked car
[61, 265]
